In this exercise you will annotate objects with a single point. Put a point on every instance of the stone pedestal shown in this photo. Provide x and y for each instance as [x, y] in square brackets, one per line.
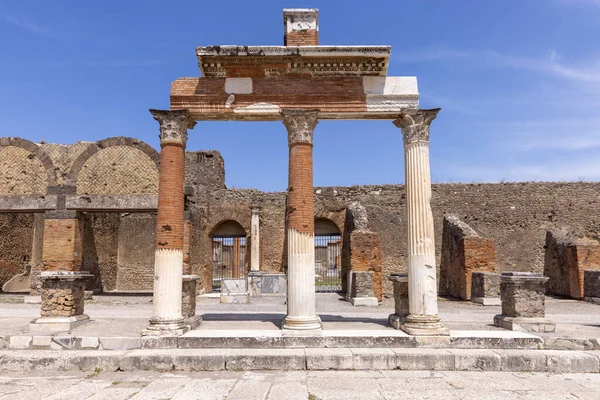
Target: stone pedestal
[234, 291]
[523, 303]
[255, 240]
[62, 295]
[423, 319]
[400, 284]
[591, 286]
[485, 288]
[255, 283]
[188, 301]
[361, 291]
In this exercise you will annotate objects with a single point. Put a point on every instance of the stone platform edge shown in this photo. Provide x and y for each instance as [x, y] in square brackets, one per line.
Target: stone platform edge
[552, 361]
[51, 342]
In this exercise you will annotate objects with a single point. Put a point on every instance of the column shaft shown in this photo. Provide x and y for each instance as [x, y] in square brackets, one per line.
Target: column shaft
[423, 316]
[300, 222]
[255, 240]
[168, 264]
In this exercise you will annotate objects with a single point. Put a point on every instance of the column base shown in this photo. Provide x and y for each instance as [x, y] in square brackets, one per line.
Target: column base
[302, 323]
[166, 328]
[424, 325]
[57, 324]
[193, 322]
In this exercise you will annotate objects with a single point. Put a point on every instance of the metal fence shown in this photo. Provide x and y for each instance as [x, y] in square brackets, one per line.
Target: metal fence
[328, 263]
[228, 259]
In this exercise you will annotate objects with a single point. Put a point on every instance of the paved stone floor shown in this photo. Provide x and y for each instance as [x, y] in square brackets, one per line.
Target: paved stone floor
[116, 315]
[302, 385]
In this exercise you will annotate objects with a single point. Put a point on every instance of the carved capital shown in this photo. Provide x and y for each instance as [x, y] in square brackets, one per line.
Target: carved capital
[300, 125]
[415, 124]
[173, 125]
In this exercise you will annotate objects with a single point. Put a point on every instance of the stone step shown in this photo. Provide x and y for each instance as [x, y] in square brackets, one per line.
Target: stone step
[552, 361]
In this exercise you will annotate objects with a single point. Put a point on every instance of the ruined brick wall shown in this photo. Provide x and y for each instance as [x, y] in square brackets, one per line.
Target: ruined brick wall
[16, 234]
[100, 248]
[565, 260]
[463, 252]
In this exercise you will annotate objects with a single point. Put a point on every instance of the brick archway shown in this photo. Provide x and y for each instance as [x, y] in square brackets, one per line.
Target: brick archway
[37, 151]
[104, 144]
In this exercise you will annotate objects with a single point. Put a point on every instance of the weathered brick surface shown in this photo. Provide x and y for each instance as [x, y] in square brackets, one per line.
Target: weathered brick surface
[365, 255]
[21, 172]
[308, 37]
[463, 252]
[566, 259]
[300, 203]
[169, 233]
[62, 248]
[15, 244]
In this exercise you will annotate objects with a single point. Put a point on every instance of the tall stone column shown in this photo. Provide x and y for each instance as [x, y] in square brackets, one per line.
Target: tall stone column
[301, 314]
[168, 264]
[255, 240]
[423, 316]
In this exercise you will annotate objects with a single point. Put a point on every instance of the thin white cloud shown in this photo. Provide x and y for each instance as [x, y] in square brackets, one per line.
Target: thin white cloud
[586, 72]
[428, 55]
[24, 23]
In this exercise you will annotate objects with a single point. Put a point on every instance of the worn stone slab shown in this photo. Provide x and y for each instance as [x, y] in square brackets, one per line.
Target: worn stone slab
[476, 360]
[334, 358]
[424, 359]
[234, 286]
[119, 343]
[159, 342]
[20, 342]
[258, 359]
[494, 340]
[58, 324]
[174, 360]
[520, 360]
[364, 301]
[373, 359]
[571, 361]
[487, 301]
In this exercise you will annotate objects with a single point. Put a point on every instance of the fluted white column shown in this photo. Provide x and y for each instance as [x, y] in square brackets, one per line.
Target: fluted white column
[301, 297]
[423, 316]
[255, 240]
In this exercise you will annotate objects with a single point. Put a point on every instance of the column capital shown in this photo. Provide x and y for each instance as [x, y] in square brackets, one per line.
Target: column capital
[415, 124]
[300, 125]
[255, 209]
[173, 125]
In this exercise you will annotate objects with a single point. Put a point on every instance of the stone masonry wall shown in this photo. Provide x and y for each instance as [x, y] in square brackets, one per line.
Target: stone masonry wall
[463, 252]
[16, 235]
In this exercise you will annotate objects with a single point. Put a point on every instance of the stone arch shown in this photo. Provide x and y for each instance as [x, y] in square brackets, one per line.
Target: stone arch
[94, 148]
[32, 151]
[326, 227]
[116, 166]
[229, 247]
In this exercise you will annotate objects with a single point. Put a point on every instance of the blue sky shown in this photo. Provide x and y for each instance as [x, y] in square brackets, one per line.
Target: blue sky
[518, 82]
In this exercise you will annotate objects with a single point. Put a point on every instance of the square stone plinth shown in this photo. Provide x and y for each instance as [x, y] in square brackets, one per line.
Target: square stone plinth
[524, 324]
[364, 301]
[57, 324]
[234, 286]
[522, 295]
[188, 295]
[362, 284]
[62, 293]
[485, 288]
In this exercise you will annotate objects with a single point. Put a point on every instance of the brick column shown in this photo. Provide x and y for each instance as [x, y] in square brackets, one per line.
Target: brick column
[300, 222]
[168, 264]
[423, 316]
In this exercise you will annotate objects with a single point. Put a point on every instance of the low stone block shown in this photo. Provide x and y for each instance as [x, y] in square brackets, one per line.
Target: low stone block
[524, 324]
[571, 362]
[274, 284]
[476, 360]
[591, 283]
[235, 298]
[485, 288]
[362, 284]
[234, 286]
[523, 360]
[258, 359]
[119, 343]
[20, 342]
[188, 295]
[58, 324]
[41, 342]
[487, 301]
[364, 301]
[424, 359]
[89, 342]
[522, 294]
[400, 285]
[63, 343]
[324, 359]
[32, 299]
[373, 358]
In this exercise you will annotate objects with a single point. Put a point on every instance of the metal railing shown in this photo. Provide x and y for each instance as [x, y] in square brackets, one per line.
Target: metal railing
[228, 259]
[328, 263]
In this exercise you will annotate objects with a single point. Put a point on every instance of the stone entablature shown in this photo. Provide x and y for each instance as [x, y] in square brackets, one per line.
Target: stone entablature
[268, 61]
[340, 97]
